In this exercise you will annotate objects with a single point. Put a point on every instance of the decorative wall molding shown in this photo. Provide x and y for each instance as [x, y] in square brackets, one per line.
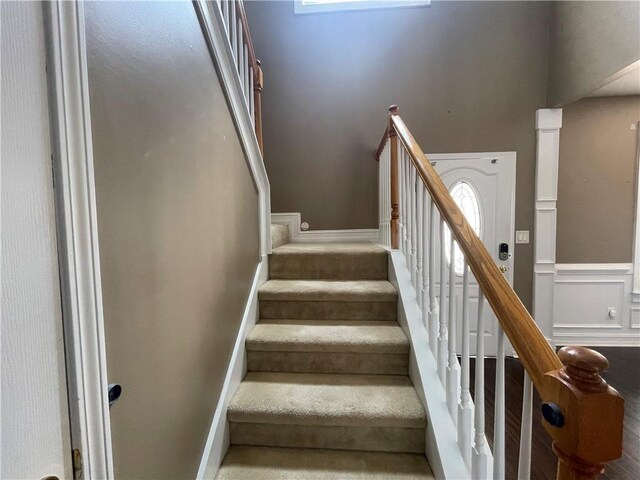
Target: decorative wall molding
[593, 305]
[548, 124]
[213, 28]
[218, 439]
[293, 221]
[79, 255]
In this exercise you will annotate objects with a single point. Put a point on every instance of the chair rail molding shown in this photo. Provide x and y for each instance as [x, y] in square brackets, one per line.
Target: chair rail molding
[293, 221]
[548, 124]
[77, 227]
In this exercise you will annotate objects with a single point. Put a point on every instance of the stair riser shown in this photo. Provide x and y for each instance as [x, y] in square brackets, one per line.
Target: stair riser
[378, 439]
[328, 267]
[328, 362]
[340, 310]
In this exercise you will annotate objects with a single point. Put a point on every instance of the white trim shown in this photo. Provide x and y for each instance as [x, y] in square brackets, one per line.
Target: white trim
[214, 30]
[636, 231]
[300, 8]
[293, 220]
[218, 438]
[583, 294]
[442, 449]
[548, 124]
[78, 238]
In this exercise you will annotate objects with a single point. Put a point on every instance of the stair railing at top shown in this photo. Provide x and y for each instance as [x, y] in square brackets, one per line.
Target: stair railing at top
[580, 411]
[247, 66]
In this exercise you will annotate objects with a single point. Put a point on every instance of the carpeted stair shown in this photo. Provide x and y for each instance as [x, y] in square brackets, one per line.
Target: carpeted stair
[327, 394]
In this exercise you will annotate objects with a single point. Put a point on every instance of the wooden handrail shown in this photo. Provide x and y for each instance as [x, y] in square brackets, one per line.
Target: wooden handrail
[383, 141]
[583, 414]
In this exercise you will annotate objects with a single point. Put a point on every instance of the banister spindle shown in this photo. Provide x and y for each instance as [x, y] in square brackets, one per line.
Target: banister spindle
[425, 255]
[395, 180]
[258, 85]
[524, 457]
[433, 305]
[465, 409]
[419, 239]
[499, 411]
[442, 319]
[479, 454]
[453, 368]
[414, 236]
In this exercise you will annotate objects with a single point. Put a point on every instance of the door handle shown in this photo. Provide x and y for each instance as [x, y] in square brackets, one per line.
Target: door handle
[115, 390]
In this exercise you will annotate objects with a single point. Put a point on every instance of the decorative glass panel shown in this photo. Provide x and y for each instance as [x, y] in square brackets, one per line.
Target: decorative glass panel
[467, 200]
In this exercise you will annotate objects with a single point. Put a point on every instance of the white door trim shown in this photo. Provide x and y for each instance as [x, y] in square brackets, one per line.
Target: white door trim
[78, 238]
[548, 124]
[214, 32]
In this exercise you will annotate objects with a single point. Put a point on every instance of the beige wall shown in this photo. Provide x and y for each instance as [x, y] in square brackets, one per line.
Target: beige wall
[589, 41]
[596, 180]
[178, 228]
[468, 77]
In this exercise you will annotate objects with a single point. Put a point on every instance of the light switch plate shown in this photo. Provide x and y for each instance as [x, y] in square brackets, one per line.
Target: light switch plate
[522, 236]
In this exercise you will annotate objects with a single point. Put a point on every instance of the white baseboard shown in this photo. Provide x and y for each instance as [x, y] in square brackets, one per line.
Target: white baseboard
[218, 439]
[442, 449]
[583, 294]
[293, 221]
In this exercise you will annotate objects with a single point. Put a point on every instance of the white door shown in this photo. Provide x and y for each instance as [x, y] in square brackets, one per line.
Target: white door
[483, 184]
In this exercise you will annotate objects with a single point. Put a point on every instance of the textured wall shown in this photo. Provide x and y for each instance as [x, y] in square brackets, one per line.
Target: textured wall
[589, 41]
[468, 77]
[597, 179]
[178, 229]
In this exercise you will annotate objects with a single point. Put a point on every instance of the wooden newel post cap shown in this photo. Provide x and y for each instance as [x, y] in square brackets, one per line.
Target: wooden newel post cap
[394, 110]
[582, 367]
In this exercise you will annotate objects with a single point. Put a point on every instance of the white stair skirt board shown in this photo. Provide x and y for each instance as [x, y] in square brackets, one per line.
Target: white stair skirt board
[218, 439]
[583, 296]
[442, 449]
[293, 221]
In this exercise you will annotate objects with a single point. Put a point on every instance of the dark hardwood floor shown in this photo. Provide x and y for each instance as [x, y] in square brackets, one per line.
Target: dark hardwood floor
[624, 376]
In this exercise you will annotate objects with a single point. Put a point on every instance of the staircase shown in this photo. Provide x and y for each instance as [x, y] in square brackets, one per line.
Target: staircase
[327, 394]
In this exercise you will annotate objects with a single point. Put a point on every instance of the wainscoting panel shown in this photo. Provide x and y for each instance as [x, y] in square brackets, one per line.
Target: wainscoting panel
[592, 305]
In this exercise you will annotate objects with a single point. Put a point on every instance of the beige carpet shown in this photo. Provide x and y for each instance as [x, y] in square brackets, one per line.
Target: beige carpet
[327, 394]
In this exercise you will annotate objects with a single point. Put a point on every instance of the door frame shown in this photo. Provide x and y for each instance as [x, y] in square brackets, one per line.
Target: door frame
[78, 248]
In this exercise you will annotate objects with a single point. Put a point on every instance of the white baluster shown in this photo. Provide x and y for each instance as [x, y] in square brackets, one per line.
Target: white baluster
[252, 100]
[233, 35]
[524, 459]
[407, 220]
[225, 15]
[425, 255]
[403, 211]
[247, 92]
[419, 240]
[433, 304]
[387, 189]
[414, 235]
[479, 454]
[453, 368]
[442, 319]
[499, 413]
[464, 409]
[240, 57]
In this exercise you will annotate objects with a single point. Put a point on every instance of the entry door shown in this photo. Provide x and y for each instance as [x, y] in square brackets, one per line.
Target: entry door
[484, 185]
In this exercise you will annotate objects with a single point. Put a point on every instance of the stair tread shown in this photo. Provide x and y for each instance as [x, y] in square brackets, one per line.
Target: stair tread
[328, 290]
[328, 400]
[268, 463]
[319, 248]
[328, 336]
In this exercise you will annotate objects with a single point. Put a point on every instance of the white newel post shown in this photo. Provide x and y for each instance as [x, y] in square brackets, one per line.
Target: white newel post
[548, 124]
